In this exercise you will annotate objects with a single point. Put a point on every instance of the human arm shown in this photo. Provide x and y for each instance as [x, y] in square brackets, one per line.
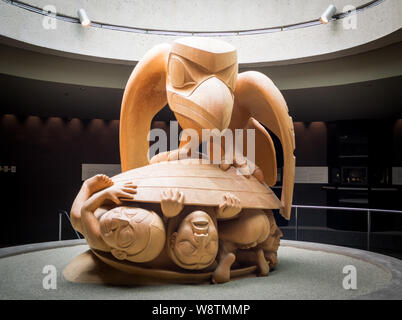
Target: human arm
[90, 224]
[88, 188]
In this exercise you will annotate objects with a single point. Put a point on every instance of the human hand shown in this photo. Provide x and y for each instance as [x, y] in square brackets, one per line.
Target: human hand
[248, 168]
[172, 202]
[229, 207]
[121, 192]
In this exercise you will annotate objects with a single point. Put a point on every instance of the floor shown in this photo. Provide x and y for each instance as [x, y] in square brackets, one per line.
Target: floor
[300, 274]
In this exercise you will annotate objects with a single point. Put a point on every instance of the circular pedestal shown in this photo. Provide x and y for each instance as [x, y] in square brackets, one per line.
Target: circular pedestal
[305, 271]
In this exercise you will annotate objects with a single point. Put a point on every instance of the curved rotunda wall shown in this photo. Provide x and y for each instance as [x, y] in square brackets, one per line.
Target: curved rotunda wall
[205, 15]
[376, 64]
[318, 42]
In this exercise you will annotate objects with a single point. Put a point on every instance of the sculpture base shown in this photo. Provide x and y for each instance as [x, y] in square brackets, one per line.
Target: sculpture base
[95, 267]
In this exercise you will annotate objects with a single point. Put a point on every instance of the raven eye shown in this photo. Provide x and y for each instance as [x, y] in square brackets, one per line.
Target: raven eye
[179, 76]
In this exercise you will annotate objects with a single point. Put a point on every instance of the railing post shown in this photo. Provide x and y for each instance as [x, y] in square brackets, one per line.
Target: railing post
[296, 224]
[368, 229]
[68, 218]
[60, 216]
[61, 212]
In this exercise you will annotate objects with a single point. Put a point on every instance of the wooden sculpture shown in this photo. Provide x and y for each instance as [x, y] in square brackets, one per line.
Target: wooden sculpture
[177, 216]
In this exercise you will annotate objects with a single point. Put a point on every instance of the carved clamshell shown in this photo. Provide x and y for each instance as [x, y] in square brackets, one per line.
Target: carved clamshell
[203, 184]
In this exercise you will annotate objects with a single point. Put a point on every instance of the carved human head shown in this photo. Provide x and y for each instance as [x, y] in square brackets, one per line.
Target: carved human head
[194, 244]
[134, 234]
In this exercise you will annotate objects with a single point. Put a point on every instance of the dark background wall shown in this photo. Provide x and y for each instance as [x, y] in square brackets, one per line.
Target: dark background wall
[311, 150]
[397, 143]
[311, 143]
[48, 154]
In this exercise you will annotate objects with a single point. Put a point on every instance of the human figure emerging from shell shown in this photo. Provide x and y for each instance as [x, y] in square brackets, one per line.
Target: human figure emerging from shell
[175, 215]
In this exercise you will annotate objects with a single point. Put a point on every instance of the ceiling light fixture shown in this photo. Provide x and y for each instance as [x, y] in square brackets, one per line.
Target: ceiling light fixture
[328, 14]
[82, 15]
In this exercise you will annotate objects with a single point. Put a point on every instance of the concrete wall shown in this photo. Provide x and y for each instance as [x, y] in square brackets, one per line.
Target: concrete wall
[377, 64]
[205, 15]
[291, 46]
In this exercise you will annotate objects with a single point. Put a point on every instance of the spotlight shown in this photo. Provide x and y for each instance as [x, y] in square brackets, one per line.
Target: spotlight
[82, 15]
[328, 14]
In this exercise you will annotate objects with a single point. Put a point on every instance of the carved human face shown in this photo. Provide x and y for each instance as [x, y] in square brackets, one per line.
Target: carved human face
[276, 238]
[126, 230]
[195, 244]
[273, 241]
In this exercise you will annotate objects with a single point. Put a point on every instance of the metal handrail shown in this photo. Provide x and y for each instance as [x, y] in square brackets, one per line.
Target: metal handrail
[346, 208]
[368, 210]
